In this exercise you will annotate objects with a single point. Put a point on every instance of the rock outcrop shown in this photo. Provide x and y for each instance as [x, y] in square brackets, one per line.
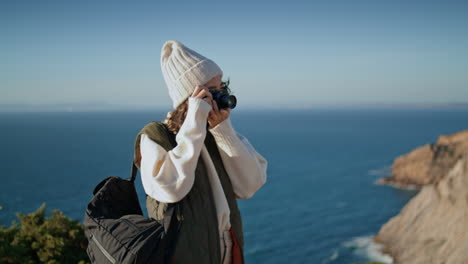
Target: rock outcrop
[429, 163]
[433, 226]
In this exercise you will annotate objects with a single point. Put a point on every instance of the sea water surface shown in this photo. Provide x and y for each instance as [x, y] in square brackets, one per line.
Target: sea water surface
[320, 203]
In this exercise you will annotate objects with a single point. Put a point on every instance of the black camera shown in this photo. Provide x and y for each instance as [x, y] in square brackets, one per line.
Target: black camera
[224, 99]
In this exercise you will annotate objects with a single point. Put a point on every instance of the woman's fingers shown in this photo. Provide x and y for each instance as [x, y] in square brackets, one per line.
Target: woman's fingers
[215, 107]
[206, 96]
[196, 91]
[226, 111]
[203, 93]
[217, 115]
[199, 89]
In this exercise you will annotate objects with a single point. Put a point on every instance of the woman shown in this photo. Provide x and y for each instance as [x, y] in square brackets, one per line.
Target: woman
[210, 167]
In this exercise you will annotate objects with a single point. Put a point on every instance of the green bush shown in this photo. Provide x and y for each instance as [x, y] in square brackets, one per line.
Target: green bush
[39, 240]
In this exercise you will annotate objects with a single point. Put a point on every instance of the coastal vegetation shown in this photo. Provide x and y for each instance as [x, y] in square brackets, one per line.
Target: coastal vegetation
[38, 239]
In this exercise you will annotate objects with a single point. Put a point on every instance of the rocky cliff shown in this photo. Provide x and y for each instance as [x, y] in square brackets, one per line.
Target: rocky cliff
[433, 226]
[429, 163]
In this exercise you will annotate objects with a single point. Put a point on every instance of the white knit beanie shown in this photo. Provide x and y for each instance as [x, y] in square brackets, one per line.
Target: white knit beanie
[183, 69]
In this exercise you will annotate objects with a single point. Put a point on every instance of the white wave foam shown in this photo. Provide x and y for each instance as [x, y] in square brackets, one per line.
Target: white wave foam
[409, 187]
[330, 259]
[366, 247]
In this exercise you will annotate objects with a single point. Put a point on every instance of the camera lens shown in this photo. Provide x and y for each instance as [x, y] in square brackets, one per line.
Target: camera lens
[232, 102]
[224, 100]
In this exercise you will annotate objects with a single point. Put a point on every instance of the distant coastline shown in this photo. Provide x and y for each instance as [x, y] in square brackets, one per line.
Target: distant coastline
[104, 106]
[72, 107]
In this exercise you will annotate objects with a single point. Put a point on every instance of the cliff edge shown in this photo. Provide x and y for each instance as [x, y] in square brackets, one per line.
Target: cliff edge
[433, 226]
[428, 164]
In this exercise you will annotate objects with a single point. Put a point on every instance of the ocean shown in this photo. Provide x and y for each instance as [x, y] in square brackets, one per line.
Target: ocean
[320, 203]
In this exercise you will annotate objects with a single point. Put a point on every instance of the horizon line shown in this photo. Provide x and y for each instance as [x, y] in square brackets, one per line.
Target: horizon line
[104, 106]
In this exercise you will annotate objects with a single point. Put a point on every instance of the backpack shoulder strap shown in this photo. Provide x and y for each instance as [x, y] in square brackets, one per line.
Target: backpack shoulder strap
[159, 133]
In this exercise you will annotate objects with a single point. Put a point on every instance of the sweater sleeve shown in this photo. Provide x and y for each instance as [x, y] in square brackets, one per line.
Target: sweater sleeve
[168, 176]
[247, 169]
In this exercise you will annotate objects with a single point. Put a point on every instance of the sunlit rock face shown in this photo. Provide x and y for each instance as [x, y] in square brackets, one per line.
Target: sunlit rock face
[429, 163]
[433, 226]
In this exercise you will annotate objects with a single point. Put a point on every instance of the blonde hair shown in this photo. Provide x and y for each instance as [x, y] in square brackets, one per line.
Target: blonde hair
[176, 117]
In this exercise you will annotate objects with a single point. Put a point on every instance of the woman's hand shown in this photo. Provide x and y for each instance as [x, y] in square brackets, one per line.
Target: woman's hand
[217, 116]
[203, 93]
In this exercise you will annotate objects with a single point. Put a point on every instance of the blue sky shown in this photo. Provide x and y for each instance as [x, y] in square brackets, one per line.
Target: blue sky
[276, 53]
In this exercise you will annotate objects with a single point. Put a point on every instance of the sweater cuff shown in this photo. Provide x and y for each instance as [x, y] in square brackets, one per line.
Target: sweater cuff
[196, 118]
[197, 113]
[198, 104]
[225, 135]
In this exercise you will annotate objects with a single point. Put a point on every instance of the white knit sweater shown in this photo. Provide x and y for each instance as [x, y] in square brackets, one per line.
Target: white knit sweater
[169, 176]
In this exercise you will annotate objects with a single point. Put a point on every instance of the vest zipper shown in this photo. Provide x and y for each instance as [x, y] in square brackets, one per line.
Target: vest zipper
[108, 256]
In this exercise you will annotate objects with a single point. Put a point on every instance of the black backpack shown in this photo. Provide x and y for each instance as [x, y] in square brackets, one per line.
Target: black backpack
[117, 231]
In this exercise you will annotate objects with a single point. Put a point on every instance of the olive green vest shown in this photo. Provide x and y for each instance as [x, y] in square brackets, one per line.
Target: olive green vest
[198, 240]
